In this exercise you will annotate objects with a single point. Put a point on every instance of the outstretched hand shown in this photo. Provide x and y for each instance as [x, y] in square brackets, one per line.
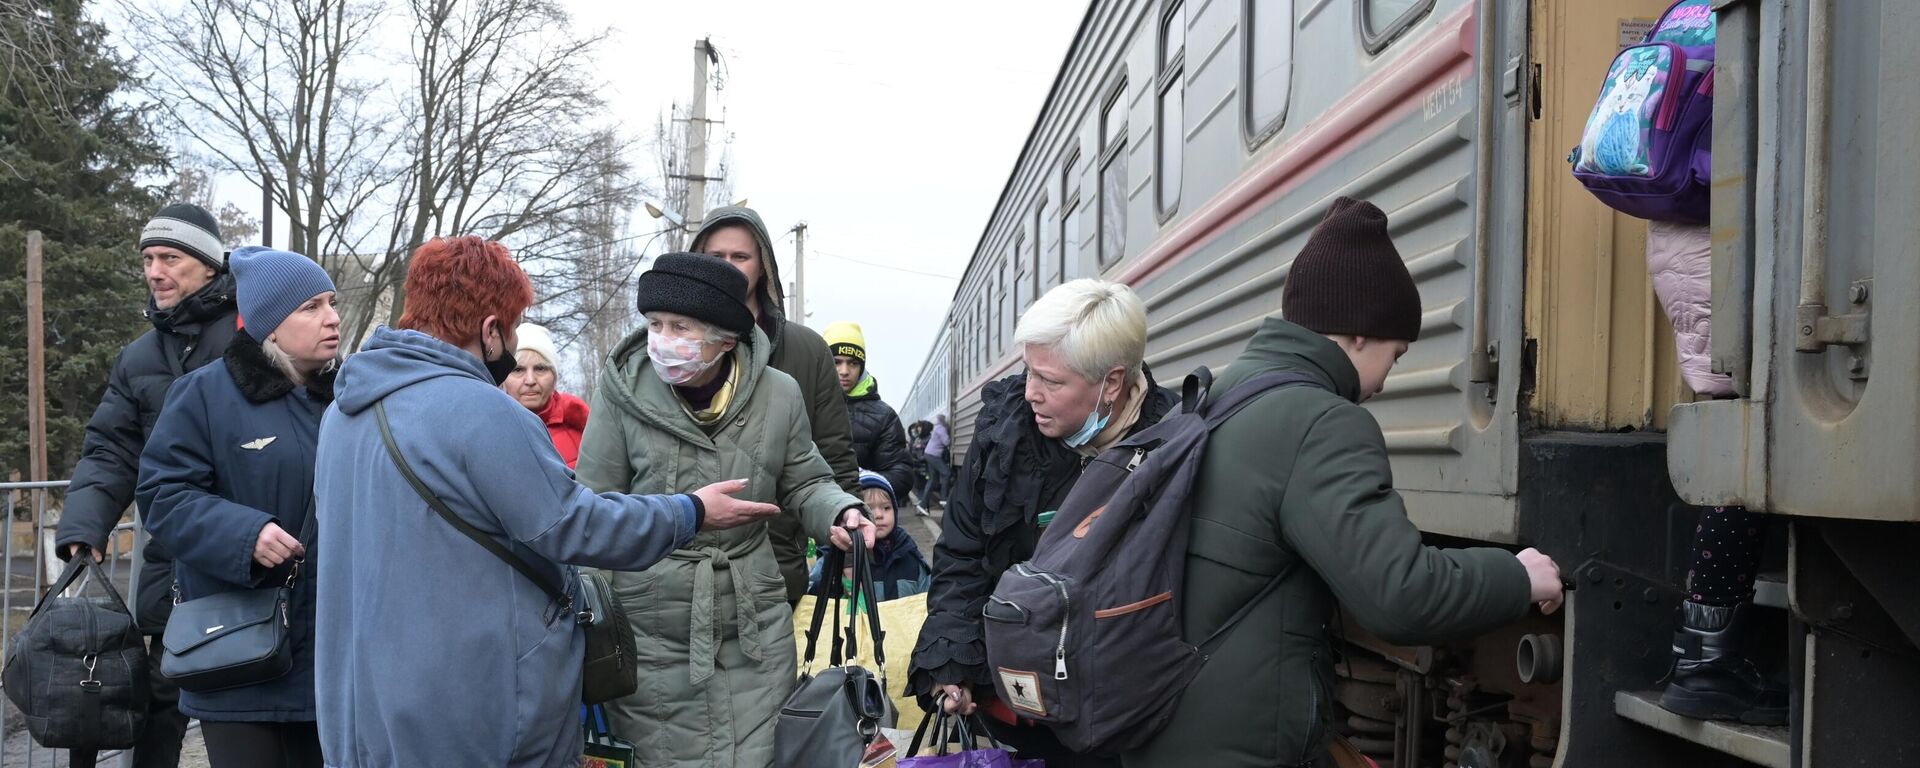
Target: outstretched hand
[724, 511]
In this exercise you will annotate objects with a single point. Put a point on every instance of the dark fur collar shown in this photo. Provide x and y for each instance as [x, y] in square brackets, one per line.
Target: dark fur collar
[260, 382]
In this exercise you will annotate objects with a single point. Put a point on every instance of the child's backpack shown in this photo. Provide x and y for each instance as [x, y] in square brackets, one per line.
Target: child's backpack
[1086, 636]
[1647, 147]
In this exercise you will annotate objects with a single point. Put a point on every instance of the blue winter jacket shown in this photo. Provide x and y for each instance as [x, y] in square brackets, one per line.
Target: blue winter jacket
[232, 451]
[431, 650]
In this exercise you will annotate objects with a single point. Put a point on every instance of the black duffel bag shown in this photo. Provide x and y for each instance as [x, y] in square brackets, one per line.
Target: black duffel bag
[78, 670]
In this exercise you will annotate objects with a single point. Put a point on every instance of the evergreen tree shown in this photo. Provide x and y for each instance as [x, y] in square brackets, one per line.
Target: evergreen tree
[74, 155]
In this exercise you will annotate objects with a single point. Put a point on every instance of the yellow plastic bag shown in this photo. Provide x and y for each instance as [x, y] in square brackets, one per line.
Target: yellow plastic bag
[900, 619]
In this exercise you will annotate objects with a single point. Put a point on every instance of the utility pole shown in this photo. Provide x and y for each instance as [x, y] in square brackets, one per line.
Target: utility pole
[800, 272]
[697, 138]
[36, 360]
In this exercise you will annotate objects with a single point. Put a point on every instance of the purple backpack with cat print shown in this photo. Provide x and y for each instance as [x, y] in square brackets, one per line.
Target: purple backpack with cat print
[1648, 145]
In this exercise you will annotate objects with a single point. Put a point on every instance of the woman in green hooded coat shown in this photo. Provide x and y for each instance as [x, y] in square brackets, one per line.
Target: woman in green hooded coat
[688, 401]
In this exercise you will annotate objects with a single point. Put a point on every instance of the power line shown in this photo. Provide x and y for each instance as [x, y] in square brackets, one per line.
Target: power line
[818, 252]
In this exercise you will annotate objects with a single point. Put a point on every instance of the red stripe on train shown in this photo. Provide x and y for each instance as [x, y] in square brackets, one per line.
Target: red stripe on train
[1371, 109]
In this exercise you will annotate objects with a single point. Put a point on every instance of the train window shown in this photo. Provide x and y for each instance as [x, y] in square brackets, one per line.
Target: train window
[1383, 20]
[1171, 126]
[1113, 177]
[1268, 40]
[1009, 310]
[1042, 278]
[1022, 290]
[1070, 216]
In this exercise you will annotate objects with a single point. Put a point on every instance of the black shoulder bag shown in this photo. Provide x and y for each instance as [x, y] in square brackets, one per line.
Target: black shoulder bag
[610, 665]
[233, 639]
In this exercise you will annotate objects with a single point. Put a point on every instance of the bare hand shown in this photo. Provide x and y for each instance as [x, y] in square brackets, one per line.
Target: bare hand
[1544, 577]
[724, 511]
[276, 546]
[852, 519]
[959, 699]
[73, 550]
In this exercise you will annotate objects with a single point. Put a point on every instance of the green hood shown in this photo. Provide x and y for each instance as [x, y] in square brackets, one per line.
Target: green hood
[641, 393]
[867, 389]
[1280, 345]
[769, 292]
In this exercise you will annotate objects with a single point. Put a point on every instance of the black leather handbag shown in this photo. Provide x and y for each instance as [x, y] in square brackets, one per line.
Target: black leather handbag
[78, 669]
[233, 639]
[830, 719]
[611, 664]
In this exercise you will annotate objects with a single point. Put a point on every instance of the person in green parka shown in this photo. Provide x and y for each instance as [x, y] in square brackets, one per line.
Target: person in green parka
[1297, 488]
[737, 236]
[684, 402]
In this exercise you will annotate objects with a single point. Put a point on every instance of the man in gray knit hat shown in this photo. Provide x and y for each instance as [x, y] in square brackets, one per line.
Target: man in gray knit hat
[194, 318]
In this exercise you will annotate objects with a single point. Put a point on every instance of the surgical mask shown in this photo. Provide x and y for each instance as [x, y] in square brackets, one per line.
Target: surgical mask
[677, 361]
[1096, 423]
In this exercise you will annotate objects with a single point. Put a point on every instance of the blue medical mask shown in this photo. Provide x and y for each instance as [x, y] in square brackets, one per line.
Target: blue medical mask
[1096, 423]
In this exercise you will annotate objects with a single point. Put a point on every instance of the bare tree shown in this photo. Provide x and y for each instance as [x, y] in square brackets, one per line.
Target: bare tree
[501, 133]
[488, 129]
[263, 87]
[193, 182]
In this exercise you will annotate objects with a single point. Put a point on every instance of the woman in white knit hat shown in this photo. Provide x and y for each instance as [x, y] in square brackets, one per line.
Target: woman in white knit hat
[534, 382]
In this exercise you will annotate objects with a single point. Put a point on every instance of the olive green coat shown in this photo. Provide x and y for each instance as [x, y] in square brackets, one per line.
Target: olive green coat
[714, 632]
[1297, 486]
[802, 354]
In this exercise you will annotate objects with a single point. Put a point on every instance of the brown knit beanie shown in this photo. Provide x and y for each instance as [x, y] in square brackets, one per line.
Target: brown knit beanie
[1349, 278]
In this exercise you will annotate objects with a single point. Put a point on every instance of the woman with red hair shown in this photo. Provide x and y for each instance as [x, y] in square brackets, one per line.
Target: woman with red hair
[432, 650]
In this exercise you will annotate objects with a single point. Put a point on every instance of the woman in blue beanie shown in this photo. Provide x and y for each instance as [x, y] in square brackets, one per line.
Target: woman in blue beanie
[227, 485]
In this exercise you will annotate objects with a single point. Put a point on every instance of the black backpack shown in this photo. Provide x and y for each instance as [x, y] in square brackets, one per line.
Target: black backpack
[78, 670]
[1085, 637]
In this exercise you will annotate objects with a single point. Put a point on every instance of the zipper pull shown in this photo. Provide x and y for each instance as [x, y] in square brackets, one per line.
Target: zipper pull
[1060, 666]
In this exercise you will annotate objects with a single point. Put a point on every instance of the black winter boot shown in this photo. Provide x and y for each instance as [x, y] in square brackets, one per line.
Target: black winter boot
[1712, 679]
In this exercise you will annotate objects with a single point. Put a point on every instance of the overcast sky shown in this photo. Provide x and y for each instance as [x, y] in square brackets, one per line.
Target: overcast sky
[888, 127]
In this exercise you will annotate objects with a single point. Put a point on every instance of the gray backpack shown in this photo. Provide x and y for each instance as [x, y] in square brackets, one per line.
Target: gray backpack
[1085, 637]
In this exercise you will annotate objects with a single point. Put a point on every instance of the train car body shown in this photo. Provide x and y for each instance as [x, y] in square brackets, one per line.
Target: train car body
[1188, 148]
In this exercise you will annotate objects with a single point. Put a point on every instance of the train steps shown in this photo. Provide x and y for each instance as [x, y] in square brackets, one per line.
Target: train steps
[1760, 745]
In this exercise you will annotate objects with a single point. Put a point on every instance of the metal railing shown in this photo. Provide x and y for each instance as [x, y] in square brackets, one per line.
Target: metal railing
[28, 574]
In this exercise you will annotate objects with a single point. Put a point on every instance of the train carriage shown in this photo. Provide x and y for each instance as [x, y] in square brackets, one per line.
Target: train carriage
[1187, 149]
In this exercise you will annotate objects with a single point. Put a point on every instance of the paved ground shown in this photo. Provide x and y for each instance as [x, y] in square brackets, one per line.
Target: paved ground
[924, 529]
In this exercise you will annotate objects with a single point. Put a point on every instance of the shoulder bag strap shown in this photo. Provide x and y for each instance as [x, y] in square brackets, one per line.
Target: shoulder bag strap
[479, 537]
[828, 566]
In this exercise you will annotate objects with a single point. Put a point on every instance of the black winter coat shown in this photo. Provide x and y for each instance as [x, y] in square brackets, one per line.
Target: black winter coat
[233, 451]
[190, 335]
[878, 439]
[1012, 474]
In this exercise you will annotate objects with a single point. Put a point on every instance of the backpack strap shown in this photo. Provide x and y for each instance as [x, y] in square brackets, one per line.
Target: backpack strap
[479, 537]
[1193, 392]
[1244, 393]
[1237, 398]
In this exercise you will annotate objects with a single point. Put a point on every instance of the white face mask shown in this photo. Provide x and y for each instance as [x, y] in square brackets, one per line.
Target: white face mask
[678, 361]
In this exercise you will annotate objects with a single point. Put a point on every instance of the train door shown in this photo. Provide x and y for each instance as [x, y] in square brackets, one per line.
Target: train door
[1604, 352]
